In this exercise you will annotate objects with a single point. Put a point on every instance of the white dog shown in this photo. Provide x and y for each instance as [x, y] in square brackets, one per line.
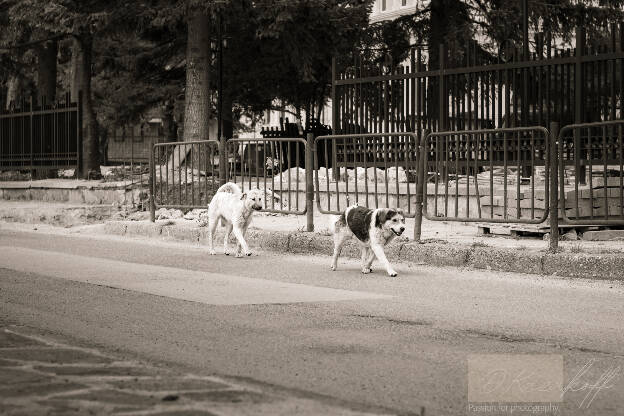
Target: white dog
[373, 228]
[235, 209]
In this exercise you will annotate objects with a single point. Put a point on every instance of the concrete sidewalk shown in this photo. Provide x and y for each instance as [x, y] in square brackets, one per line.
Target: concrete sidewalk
[442, 243]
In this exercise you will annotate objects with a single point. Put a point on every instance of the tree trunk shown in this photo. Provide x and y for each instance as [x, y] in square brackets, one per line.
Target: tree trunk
[197, 96]
[47, 70]
[14, 88]
[81, 84]
[46, 87]
[169, 123]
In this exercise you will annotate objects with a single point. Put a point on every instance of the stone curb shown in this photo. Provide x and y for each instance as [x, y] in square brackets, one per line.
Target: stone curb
[590, 266]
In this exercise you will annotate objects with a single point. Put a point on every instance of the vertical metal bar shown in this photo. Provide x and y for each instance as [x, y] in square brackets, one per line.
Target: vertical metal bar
[192, 156]
[590, 157]
[604, 173]
[264, 169]
[281, 176]
[165, 159]
[355, 164]
[442, 108]
[309, 154]
[518, 176]
[421, 186]
[468, 136]
[289, 173]
[579, 109]
[621, 152]
[298, 165]
[179, 175]
[32, 161]
[327, 178]
[554, 200]
[152, 177]
[491, 175]
[532, 174]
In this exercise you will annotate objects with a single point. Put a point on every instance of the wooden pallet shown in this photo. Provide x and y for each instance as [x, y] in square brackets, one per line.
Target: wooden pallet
[527, 230]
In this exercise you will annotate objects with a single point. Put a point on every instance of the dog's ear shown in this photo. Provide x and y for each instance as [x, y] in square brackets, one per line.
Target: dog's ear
[400, 212]
[243, 196]
[383, 215]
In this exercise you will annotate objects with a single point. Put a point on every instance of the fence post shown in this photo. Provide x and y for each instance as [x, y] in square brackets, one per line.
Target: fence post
[421, 187]
[309, 172]
[222, 161]
[335, 119]
[442, 95]
[32, 150]
[152, 174]
[554, 188]
[579, 102]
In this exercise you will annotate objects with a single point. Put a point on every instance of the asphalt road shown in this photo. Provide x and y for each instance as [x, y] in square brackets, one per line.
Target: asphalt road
[288, 322]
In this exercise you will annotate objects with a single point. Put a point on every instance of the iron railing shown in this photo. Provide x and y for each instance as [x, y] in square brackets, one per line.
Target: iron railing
[41, 135]
[472, 91]
[274, 165]
[593, 193]
[184, 175]
[461, 165]
[372, 170]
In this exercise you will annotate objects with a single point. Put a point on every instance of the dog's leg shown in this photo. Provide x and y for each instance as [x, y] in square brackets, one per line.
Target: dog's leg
[365, 269]
[212, 227]
[238, 246]
[367, 259]
[228, 230]
[238, 233]
[339, 239]
[379, 252]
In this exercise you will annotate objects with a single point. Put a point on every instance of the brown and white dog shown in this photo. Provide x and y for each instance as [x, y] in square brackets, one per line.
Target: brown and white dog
[234, 209]
[373, 228]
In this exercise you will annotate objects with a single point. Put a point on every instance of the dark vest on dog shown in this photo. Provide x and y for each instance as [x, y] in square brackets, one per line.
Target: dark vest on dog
[359, 222]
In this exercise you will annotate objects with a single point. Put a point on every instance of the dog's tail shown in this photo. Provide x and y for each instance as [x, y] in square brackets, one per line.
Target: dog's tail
[231, 188]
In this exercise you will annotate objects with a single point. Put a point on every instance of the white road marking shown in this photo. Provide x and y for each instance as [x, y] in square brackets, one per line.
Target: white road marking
[197, 286]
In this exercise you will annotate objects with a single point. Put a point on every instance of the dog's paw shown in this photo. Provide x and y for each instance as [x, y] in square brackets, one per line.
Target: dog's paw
[333, 268]
[212, 252]
[392, 273]
[367, 270]
[238, 255]
[249, 253]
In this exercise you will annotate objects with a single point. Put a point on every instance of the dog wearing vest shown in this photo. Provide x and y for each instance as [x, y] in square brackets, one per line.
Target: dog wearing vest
[234, 209]
[373, 228]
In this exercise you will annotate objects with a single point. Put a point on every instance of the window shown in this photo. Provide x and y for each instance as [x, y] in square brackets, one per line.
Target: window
[403, 2]
[383, 5]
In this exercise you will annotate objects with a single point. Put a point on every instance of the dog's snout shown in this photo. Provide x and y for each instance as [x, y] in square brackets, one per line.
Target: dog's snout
[402, 229]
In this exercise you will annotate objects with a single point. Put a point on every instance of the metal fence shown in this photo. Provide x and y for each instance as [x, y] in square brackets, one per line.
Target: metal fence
[488, 175]
[372, 170]
[185, 175]
[41, 135]
[470, 90]
[274, 165]
[593, 193]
